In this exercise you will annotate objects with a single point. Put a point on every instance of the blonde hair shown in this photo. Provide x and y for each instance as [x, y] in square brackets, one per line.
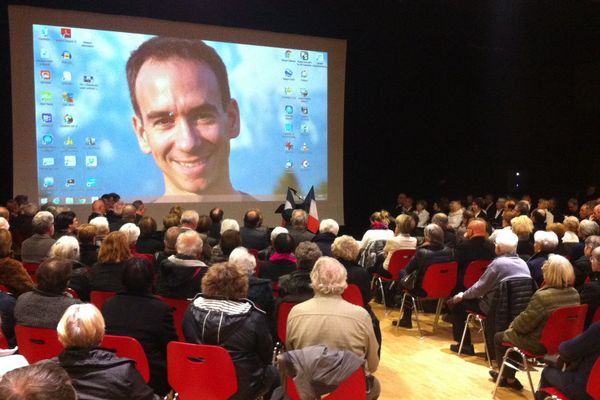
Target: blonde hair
[558, 272]
[557, 228]
[114, 248]
[328, 277]
[571, 224]
[345, 248]
[405, 223]
[65, 248]
[81, 325]
[522, 226]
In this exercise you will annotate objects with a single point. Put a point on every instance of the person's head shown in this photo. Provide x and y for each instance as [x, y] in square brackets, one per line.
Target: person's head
[538, 216]
[434, 234]
[284, 243]
[132, 231]
[500, 203]
[229, 224]
[558, 272]
[329, 226]
[138, 275]
[401, 199]
[66, 221]
[382, 217]
[226, 280]
[584, 211]
[216, 215]
[595, 259]
[101, 224]
[4, 212]
[345, 248]
[4, 224]
[545, 241]
[43, 380]
[476, 228]
[129, 213]
[328, 277]
[571, 224]
[455, 205]
[405, 224]
[114, 248]
[440, 219]
[170, 239]
[506, 242]
[299, 218]
[30, 209]
[590, 243]
[596, 212]
[171, 220]
[557, 228]
[147, 227]
[65, 248]
[230, 239]
[307, 254]
[522, 207]
[204, 224]
[543, 203]
[588, 228]
[82, 325]
[99, 207]
[86, 234]
[522, 226]
[177, 210]
[276, 231]
[421, 205]
[241, 258]
[43, 223]
[510, 205]
[184, 113]
[53, 275]
[572, 205]
[5, 243]
[189, 219]
[477, 204]
[189, 243]
[507, 216]
[253, 218]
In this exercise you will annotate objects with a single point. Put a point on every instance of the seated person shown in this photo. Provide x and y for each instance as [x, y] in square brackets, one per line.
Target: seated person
[96, 373]
[328, 231]
[282, 261]
[169, 241]
[378, 230]
[544, 243]
[259, 290]
[65, 223]
[221, 316]
[35, 249]
[230, 239]
[88, 250]
[106, 273]
[590, 293]
[474, 247]
[181, 273]
[526, 329]
[44, 380]
[12, 273]
[137, 313]
[253, 235]
[266, 253]
[298, 227]
[67, 248]
[522, 226]
[405, 225]
[327, 319]
[296, 286]
[147, 242]
[45, 304]
[478, 298]
[432, 251]
[583, 265]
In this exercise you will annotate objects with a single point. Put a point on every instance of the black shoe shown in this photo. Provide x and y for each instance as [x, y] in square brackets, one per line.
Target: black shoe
[493, 374]
[467, 349]
[403, 323]
[505, 383]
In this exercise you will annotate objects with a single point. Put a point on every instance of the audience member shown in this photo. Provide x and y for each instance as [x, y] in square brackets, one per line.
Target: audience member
[147, 242]
[586, 228]
[35, 249]
[88, 250]
[296, 286]
[582, 266]
[538, 217]
[98, 209]
[455, 216]
[230, 239]
[268, 252]
[282, 261]
[128, 216]
[254, 236]
[204, 224]
[67, 248]
[44, 380]
[96, 373]
[477, 207]
[137, 313]
[189, 220]
[221, 316]
[216, 216]
[328, 231]
[571, 224]
[102, 229]
[65, 223]
[476, 247]
[559, 229]
[260, 291]
[229, 224]
[590, 292]
[378, 229]
[45, 304]
[585, 212]
[572, 207]
[522, 226]
[106, 273]
[495, 216]
[441, 220]
[327, 320]
[544, 243]
[507, 216]
[12, 274]
[405, 225]
[298, 227]
[422, 214]
[170, 241]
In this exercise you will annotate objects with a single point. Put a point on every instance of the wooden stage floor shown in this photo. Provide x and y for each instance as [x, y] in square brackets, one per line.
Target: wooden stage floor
[419, 369]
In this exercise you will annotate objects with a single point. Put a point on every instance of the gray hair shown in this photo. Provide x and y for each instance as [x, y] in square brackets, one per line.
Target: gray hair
[299, 218]
[241, 258]
[228, 224]
[65, 248]
[588, 228]
[548, 240]
[101, 223]
[329, 226]
[328, 277]
[190, 217]
[42, 222]
[507, 241]
[571, 223]
[440, 219]
[596, 254]
[434, 233]
[307, 254]
[189, 243]
[276, 231]
[131, 231]
[592, 241]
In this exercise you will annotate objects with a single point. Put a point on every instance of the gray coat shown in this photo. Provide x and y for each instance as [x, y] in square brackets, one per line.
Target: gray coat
[41, 309]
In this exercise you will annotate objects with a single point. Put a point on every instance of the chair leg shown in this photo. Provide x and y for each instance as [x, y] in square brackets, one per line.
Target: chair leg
[438, 311]
[526, 366]
[383, 296]
[506, 353]
[487, 352]
[462, 340]
[402, 307]
[416, 312]
[373, 282]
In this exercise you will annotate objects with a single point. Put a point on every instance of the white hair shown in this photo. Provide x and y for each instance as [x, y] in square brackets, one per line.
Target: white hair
[4, 223]
[587, 228]
[329, 226]
[328, 277]
[100, 222]
[131, 230]
[228, 224]
[276, 231]
[66, 248]
[240, 257]
[507, 241]
[547, 239]
[189, 243]
[189, 217]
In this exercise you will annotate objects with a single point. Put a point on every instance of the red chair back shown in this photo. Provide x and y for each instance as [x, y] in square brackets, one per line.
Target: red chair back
[596, 316]
[128, 347]
[179, 306]
[593, 383]
[197, 371]
[72, 292]
[4, 289]
[3, 342]
[474, 271]
[353, 295]
[440, 279]
[354, 387]
[399, 261]
[282, 316]
[37, 344]
[31, 267]
[563, 324]
[98, 298]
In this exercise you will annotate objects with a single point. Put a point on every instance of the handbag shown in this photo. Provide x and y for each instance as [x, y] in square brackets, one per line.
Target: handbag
[408, 281]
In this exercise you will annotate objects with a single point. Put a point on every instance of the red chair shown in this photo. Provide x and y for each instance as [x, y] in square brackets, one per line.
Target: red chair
[128, 347]
[596, 316]
[3, 342]
[474, 271]
[37, 344]
[354, 387]
[31, 268]
[398, 261]
[593, 386]
[353, 295]
[438, 282]
[179, 306]
[563, 324]
[282, 316]
[98, 298]
[4, 289]
[72, 292]
[197, 371]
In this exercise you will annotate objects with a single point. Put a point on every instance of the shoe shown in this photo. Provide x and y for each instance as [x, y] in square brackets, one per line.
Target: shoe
[403, 323]
[505, 383]
[493, 374]
[467, 349]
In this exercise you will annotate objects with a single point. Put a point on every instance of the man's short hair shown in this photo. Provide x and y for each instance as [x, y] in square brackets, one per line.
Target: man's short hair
[65, 248]
[162, 48]
[406, 224]
[253, 218]
[42, 222]
[128, 213]
[547, 240]
[131, 230]
[44, 380]
[147, 226]
[276, 231]
[204, 224]
[522, 207]
[137, 276]
[328, 277]
[507, 241]
[284, 243]
[345, 248]
[538, 216]
[307, 254]
[229, 224]
[189, 243]
[189, 217]
[588, 228]
[170, 239]
[299, 218]
[82, 325]
[434, 233]
[329, 226]
[230, 239]
[440, 219]
[53, 275]
[592, 241]
[216, 214]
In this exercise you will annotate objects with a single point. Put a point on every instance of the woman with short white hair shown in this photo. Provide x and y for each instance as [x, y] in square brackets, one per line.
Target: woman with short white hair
[259, 290]
[544, 243]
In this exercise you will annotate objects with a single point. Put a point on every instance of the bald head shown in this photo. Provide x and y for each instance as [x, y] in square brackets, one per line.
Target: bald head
[476, 228]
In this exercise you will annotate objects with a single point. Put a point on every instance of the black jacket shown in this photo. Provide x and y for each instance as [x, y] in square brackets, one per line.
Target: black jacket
[274, 269]
[590, 295]
[254, 238]
[425, 257]
[180, 277]
[107, 277]
[98, 374]
[260, 292]
[150, 321]
[245, 335]
[324, 241]
[477, 248]
[582, 268]
[88, 254]
[148, 245]
[361, 278]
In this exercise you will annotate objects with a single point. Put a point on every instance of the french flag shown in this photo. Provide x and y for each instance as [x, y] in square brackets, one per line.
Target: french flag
[310, 205]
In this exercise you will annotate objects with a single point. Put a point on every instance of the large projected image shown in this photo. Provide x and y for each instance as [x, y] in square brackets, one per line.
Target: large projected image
[186, 138]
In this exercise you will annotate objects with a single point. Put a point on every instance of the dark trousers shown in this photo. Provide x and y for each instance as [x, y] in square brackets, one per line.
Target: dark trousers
[571, 383]
[459, 316]
[500, 350]
[408, 305]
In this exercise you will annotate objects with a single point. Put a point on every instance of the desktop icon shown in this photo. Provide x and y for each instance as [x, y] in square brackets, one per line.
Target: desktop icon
[304, 164]
[70, 161]
[304, 128]
[65, 33]
[47, 161]
[289, 109]
[68, 200]
[88, 79]
[304, 110]
[46, 74]
[90, 141]
[43, 200]
[289, 146]
[91, 183]
[91, 161]
[289, 165]
[66, 55]
[304, 55]
[68, 141]
[66, 76]
[304, 92]
[46, 97]
[48, 181]
[56, 200]
[288, 90]
[304, 74]
[288, 54]
[319, 58]
[304, 147]
[44, 32]
[70, 182]
[44, 53]
[289, 73]
[47, 139]
[289, 127]
[47, 118]
[68, 118]
[68, 98]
